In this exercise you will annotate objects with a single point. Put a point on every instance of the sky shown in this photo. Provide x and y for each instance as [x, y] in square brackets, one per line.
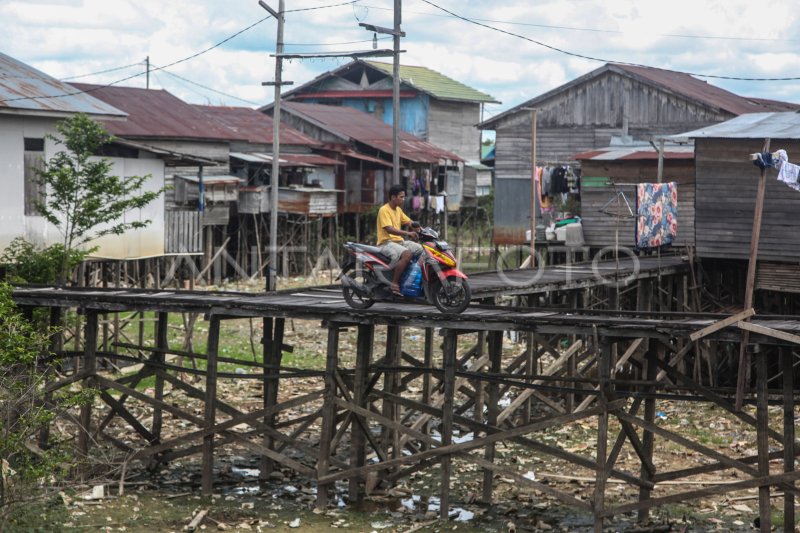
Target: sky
[513, 50]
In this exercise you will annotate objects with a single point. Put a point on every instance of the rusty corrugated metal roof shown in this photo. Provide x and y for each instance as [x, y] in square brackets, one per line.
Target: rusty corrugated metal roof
[687, 85]
[157, 114]
[352, 124]
[253, 125]
[630, 153]
[25, 89]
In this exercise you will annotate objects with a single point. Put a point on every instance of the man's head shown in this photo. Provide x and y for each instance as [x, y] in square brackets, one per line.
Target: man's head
[397, 195]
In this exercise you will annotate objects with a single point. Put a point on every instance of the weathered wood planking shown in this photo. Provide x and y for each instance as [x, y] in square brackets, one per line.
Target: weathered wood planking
[725, 202]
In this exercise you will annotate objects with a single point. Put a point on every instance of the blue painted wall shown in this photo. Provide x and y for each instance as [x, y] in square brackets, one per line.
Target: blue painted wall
[413, 111]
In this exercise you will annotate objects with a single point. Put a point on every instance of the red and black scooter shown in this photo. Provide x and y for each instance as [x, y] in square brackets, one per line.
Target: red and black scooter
[431, 277]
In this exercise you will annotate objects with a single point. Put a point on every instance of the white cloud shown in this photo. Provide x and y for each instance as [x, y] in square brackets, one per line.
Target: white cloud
[72, 37]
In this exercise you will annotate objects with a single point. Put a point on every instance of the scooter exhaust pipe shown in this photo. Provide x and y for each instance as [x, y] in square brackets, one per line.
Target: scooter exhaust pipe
[356, 286]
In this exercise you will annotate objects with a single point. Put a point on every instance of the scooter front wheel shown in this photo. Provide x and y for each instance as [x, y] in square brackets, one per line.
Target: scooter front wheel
[452, 296]
[352, 296]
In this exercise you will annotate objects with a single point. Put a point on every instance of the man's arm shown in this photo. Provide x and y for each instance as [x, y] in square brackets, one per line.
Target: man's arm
[399, 232]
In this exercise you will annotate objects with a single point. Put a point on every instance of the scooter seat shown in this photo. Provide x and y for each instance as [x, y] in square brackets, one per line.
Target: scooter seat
[374, 250]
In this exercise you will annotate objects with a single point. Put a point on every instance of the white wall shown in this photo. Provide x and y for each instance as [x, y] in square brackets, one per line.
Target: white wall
[145, 242]
[13, 222]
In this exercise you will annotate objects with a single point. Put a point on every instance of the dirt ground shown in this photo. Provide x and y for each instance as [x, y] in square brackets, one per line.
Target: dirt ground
[169, 498]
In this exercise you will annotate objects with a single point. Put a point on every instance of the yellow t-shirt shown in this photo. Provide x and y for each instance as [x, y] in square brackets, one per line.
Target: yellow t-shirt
[390, 217]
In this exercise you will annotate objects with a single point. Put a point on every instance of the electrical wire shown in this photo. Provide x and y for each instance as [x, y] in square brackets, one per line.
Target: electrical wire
[595, 30]
[102, 71]
[208, 88]
[141, 73]
[592, 58]
[334, 44]
[321, 7]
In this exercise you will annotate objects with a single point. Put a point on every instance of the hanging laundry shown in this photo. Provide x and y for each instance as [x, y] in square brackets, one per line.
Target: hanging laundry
[439, 204]
[545, 189]
[558, 181]
[788, 172]
[657, 210]
[765, 160]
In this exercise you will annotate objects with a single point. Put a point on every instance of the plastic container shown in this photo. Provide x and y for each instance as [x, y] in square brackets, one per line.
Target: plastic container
[411, 280]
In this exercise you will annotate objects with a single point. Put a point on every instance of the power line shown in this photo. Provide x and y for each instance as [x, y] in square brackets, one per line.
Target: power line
[209, 88]
[596, 30]
[102, 71]
[591, 58]
[334, 44]
[321, 7]
[141, 73]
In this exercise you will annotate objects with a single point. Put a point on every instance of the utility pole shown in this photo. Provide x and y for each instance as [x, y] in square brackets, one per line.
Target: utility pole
[396, 33]
[272, 270]
[396, 93]
[147, 65]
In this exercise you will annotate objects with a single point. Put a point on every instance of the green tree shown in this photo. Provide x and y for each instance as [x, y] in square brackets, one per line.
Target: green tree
[84, 200]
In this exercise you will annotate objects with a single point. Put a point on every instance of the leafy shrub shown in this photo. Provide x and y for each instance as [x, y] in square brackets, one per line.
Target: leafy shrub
[29, 263]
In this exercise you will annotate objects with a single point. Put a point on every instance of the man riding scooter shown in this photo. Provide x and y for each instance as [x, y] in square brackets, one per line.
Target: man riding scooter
[392, 237]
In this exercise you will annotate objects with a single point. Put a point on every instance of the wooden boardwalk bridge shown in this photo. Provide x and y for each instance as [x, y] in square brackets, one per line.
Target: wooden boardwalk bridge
[364, 421]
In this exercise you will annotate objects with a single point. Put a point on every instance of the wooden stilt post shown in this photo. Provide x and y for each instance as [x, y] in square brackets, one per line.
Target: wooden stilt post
[273, 355]
[210, 412]
[158, 357]
[328, 414]
[56, 347]
[266, 465]
[744, 355]
[495, 367]
[366, 336]
[390, 437]
[648, 439]
[426, 379]
[604, 374]
[788, 435]
[762, 439]
[479, 388]
[90, 368]
[449, 356]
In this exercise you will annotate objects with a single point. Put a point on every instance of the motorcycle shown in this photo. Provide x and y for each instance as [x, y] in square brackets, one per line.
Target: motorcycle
[431, 277]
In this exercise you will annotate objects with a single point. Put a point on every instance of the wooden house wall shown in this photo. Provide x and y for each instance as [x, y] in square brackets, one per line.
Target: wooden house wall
[599, 229]
[315, 132]
[727, 183]
[585, 117]
[451, 125]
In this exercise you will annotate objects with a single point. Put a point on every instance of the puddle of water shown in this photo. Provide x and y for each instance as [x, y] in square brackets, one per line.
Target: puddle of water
[246, 472]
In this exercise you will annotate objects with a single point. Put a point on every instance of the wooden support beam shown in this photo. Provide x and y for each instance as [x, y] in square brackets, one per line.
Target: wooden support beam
[449, 358]
[601, 473]
[496, 366]
[210, 407]
[721, 324]
[89, 371]
[539, 425]
[762, 442]
[551, 369]
[158, 356]
[789, 451]
[328, 416]
[763, 330]
[648, 440]
[364, 342]
[743, 373]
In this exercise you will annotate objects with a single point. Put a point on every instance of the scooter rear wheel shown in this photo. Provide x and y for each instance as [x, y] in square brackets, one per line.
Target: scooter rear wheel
[353, 298]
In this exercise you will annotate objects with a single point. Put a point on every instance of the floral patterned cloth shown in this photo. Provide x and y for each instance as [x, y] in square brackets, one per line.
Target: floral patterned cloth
[657, 210]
